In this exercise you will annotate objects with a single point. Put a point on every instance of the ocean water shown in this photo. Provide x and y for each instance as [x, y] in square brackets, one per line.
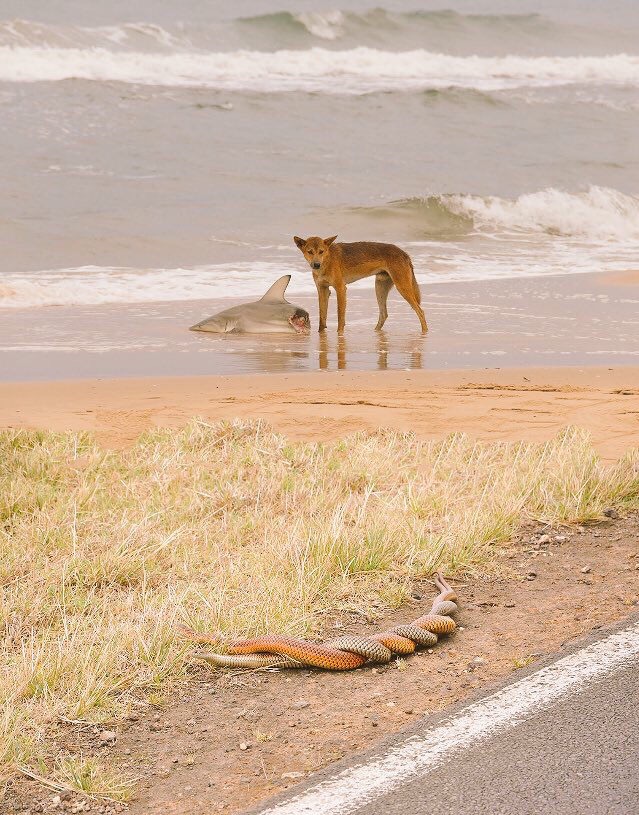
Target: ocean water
[161, 151]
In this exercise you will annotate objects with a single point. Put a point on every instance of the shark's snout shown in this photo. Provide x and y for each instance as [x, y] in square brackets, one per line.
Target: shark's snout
[301, 322]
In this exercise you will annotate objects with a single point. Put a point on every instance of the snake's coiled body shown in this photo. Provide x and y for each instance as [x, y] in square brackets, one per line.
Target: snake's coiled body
[343, 653]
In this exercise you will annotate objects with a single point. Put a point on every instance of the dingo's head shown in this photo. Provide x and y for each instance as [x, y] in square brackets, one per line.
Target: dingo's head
[315, 250]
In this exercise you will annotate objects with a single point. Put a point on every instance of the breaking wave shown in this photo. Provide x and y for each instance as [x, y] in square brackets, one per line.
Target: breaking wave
[599, 214]
[373, 26]
[380, 23]
[360, 70]
[26, 33]
[327, 25]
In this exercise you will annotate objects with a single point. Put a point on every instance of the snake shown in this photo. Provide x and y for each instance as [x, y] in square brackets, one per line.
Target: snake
[342, 653]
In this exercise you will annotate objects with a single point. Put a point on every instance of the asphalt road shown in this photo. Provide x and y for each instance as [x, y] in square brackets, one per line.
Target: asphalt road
[561, 740]
[578, 757]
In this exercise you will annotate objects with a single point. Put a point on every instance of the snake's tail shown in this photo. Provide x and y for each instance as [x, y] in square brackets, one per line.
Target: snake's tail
[195, 636]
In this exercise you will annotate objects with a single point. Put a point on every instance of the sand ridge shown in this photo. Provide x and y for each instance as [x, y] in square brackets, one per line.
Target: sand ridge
[492, 404]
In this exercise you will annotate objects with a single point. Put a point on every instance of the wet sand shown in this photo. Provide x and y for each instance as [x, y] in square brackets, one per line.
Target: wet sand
[483, 368]
[510, 404]
[569, 320]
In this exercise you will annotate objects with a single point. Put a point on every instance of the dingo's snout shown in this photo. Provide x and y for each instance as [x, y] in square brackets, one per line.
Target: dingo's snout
[316, 264]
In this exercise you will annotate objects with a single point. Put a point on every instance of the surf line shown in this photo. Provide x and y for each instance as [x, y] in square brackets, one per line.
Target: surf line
[356, 786]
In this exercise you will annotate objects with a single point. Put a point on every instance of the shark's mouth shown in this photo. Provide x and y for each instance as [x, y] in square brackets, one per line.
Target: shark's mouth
[300, 322]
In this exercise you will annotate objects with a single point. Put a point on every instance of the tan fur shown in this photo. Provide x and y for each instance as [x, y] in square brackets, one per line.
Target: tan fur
[335, 265]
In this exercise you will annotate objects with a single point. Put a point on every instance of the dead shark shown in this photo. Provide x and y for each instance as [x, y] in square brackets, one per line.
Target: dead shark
[271, 314]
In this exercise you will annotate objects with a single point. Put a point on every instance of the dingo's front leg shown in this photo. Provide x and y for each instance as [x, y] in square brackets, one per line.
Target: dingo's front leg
[322, 296]
[341, 307]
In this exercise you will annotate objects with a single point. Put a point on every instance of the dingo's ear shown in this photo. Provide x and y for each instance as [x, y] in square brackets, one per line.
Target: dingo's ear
[329, 241]
[301, 242]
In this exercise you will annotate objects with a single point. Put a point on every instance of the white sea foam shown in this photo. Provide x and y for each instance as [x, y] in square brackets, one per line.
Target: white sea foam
[600, 213]
[95, 285]
[498, 258]
[360, 70]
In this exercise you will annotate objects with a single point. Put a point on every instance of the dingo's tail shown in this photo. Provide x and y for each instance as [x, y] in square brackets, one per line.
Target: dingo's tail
[418, 294]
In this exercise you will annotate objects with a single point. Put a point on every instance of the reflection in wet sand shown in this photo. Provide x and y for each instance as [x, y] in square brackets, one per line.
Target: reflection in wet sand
[328, 342]
[273, 353]
[390, 352]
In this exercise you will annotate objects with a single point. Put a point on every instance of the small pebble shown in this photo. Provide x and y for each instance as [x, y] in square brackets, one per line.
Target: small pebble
[611, 513]
[301, 704]
[585, 570]
[108, 737]
[531, 575]
[292, 775]
[244, 745]
[544, 539]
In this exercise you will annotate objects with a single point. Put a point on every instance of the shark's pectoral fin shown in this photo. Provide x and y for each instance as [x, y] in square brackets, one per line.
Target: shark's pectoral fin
[276, 292]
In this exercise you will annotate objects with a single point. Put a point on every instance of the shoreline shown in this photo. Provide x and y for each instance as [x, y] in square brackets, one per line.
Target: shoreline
[567, 320]
[531, 404]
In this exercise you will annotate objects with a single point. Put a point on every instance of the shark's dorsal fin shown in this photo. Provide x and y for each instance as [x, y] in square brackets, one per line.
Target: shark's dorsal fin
[276, 292]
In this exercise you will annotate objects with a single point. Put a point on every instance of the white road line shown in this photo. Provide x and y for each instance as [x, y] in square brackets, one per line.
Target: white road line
[358, 785]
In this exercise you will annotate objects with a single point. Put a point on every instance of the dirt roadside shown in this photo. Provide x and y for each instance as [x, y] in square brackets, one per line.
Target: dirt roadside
[224, 741]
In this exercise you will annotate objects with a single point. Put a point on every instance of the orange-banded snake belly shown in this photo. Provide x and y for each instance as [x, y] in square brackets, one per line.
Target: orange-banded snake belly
[341, 654]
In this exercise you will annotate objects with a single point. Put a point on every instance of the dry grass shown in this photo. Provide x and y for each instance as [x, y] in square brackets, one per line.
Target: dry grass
[233, 529]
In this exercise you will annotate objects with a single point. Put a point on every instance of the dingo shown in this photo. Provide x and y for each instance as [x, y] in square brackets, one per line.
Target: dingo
[338, 264]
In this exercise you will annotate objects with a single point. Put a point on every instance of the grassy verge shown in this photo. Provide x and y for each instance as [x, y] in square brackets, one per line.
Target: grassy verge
[233, 529]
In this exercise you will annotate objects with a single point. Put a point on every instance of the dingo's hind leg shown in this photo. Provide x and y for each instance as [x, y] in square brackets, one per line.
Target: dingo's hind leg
[407, 286]
[383, 285]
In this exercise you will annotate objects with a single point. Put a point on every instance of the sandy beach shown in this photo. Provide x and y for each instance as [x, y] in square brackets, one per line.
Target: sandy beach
[530, 404]
[503, 360]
